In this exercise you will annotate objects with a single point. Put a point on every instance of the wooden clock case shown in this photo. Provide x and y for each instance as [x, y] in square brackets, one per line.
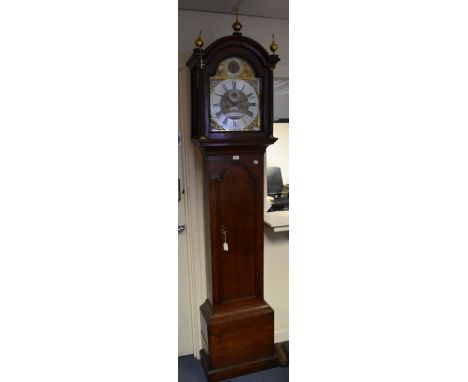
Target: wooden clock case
[237, 324]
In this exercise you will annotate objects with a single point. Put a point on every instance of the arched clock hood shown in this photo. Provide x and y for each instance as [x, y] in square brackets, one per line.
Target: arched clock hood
[203, 64]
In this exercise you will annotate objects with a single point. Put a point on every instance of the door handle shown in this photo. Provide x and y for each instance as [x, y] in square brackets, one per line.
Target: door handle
[181, 228]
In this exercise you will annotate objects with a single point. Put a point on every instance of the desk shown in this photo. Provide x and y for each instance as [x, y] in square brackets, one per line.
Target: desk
[278, 221]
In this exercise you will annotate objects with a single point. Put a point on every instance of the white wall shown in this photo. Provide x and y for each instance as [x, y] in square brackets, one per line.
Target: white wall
[276, 255]
[276, 278]
[278, 154]
[214, 26]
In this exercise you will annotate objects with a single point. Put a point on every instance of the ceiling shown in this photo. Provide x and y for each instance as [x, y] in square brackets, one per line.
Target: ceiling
[275, 9]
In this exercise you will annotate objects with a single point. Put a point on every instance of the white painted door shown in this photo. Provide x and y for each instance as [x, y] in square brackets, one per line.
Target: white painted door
[185, 317]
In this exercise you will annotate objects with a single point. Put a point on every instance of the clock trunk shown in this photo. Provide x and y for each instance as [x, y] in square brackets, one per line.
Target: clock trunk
[237, 324]
[236, 225]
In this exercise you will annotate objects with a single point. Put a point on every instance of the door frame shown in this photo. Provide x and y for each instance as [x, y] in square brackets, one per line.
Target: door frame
[193, 192]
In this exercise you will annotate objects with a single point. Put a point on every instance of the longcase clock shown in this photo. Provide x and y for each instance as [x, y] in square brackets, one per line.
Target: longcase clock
[232, 123]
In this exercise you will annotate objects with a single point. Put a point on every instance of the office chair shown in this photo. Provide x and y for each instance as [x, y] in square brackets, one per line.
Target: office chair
[276, 189]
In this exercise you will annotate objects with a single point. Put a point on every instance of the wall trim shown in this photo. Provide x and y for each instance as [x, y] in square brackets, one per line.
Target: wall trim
[193, 212]
[281, 335]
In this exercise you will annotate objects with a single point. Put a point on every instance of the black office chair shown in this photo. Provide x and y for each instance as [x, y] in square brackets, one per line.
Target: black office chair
[276, 189]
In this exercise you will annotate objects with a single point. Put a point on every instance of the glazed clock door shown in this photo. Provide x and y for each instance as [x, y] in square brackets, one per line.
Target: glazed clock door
[235, 97]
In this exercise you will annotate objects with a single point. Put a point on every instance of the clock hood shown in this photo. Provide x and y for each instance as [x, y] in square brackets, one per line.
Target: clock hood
[203, 65]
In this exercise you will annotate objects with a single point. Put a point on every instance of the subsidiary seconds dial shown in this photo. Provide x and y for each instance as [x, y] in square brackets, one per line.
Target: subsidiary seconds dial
[234, 104]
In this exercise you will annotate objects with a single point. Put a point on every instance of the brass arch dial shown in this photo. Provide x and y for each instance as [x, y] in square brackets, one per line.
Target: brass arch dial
[234, 97]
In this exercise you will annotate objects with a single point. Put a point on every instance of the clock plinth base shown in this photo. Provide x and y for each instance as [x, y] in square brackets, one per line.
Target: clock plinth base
[238, 339]
[215, 375]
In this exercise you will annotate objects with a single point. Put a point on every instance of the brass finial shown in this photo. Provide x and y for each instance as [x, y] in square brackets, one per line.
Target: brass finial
[199, 41]
[274, 45]
[237, 26]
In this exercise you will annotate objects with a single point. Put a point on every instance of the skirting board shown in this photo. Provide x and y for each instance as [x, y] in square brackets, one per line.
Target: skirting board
[281, 335]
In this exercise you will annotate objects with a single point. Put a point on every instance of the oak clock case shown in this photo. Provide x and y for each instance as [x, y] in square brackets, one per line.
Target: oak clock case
[232, 112]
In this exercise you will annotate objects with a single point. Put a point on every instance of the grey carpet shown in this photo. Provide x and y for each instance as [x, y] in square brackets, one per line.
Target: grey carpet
[190, 370]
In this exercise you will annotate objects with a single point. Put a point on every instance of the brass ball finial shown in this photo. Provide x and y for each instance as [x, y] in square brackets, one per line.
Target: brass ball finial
[237, 26]
[274, 45]
[199, 41]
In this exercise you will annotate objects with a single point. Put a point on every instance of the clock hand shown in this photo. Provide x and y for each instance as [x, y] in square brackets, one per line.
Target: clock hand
[236, 103]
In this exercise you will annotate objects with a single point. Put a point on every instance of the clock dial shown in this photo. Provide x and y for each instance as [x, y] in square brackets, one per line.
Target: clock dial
[234, 104]
[234, 97]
